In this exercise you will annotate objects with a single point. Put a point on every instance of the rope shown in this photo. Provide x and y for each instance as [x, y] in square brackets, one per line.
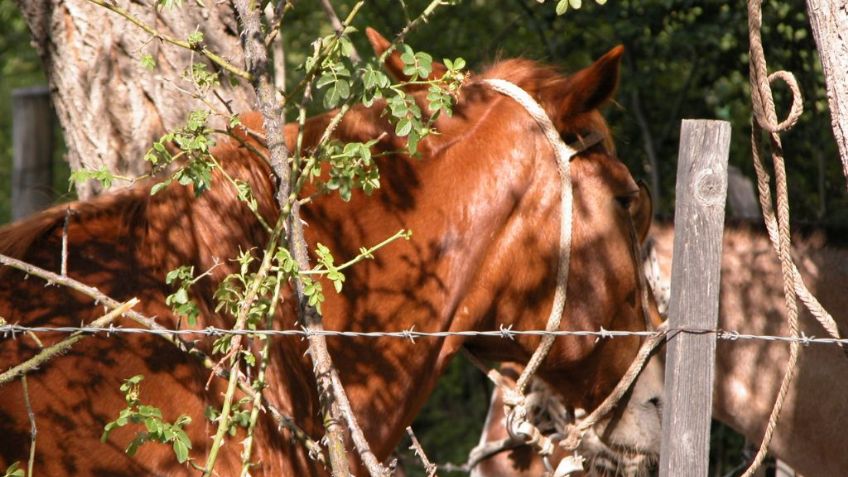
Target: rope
[766, 118]
[563, 155]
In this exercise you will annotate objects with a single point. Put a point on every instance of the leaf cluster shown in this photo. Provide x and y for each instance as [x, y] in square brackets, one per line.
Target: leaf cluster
[156, 428]
[239, 415]
[194, 141]
[180, 302]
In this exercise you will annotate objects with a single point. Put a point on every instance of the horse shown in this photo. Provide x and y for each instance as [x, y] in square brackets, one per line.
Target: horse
[809, 435]
[483, 207]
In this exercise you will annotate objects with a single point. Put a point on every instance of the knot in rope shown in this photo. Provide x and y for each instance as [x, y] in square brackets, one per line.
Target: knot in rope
[573, 437]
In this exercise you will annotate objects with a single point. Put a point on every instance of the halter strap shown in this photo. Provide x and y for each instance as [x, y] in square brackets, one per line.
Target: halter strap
[518, 425]
[564, 153]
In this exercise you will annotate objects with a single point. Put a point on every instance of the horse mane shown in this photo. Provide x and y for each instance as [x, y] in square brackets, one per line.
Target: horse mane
[133, 211]
[17, 238]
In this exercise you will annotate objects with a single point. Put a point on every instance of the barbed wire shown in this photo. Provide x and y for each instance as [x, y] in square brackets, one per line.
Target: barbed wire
[12, 331]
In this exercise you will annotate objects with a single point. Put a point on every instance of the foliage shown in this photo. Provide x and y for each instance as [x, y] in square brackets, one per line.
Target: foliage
[179, 301]
[156, 428]
[14, 470]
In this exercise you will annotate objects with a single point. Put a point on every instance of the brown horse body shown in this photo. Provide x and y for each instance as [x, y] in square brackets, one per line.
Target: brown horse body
[810, 436]
[483, 205]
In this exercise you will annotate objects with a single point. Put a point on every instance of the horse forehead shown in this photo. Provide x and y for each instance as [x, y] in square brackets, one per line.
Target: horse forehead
[601, 169]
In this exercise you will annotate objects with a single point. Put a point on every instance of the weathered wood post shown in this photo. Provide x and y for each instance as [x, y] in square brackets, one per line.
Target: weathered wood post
[32, 137]
[690, 357]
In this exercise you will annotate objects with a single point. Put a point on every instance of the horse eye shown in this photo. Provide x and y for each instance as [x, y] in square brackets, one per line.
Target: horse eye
[626, 200]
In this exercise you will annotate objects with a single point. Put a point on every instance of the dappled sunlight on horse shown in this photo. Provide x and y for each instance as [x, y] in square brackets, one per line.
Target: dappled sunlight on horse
[482, 201]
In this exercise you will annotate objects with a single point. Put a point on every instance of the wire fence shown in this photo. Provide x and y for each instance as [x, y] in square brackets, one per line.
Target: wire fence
[11, 331]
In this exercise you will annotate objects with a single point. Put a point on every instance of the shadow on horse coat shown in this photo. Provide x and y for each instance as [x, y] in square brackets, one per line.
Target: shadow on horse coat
[483, 204]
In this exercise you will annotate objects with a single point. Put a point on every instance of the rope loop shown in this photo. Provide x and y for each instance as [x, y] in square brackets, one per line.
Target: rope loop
[764, 117]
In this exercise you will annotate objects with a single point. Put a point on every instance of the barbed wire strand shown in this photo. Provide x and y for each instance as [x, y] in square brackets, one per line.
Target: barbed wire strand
[12, 331]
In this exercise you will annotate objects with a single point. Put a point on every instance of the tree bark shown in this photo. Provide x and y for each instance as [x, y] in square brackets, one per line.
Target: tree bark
[110, 107]
[830, 24]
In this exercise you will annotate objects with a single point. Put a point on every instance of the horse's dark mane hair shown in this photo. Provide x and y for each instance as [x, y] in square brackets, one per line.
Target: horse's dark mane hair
[134, 207]
[17, 238]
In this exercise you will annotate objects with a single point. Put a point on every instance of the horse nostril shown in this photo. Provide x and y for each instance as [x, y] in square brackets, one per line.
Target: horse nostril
[656, 402]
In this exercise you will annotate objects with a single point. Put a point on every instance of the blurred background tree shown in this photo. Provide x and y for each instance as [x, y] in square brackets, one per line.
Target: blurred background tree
[684, 59]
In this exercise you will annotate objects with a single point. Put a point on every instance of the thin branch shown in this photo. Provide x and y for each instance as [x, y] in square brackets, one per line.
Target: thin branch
[424, 17]
[213, 57]
[281, 419]
[33, 430]
[321, 53]
[260, 384]
[235, 345]
[275, 43]
[63, 346]
[429, 467]
[99, 297]
[64, 267]
[338, 27]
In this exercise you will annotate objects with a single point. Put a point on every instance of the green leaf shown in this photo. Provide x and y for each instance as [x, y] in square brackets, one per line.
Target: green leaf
[403, 128]
[180, 450]
[159, 186]
[562, 7]
[147, 62]
[14, 470]
[575, 4]
[181, 296]
[195, 38]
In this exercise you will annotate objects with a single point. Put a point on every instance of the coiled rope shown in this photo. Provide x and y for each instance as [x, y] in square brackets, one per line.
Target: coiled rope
[765, 118]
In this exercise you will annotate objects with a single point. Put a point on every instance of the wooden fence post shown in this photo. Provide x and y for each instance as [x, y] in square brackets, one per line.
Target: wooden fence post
[690, 357]
[32, 138]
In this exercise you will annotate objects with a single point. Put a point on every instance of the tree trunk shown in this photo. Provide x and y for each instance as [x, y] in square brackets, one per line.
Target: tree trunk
[110, 107]
[830, 23]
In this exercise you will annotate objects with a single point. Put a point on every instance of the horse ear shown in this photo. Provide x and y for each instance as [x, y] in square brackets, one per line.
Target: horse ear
[593, 86]
[642, 211]
[394, 64]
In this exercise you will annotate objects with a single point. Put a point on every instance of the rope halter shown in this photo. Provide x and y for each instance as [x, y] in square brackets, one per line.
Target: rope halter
[515, 401]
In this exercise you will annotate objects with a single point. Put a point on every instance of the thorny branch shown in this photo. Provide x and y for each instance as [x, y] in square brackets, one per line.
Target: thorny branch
[244, 309]
[33, 430]
[256, 59]
[429, 467]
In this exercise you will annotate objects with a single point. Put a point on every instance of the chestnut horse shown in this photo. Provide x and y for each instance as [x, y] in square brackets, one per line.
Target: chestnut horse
[483, 204]
[810, 434]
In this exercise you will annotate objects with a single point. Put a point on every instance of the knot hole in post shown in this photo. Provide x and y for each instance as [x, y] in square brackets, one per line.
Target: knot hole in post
[709, 187]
